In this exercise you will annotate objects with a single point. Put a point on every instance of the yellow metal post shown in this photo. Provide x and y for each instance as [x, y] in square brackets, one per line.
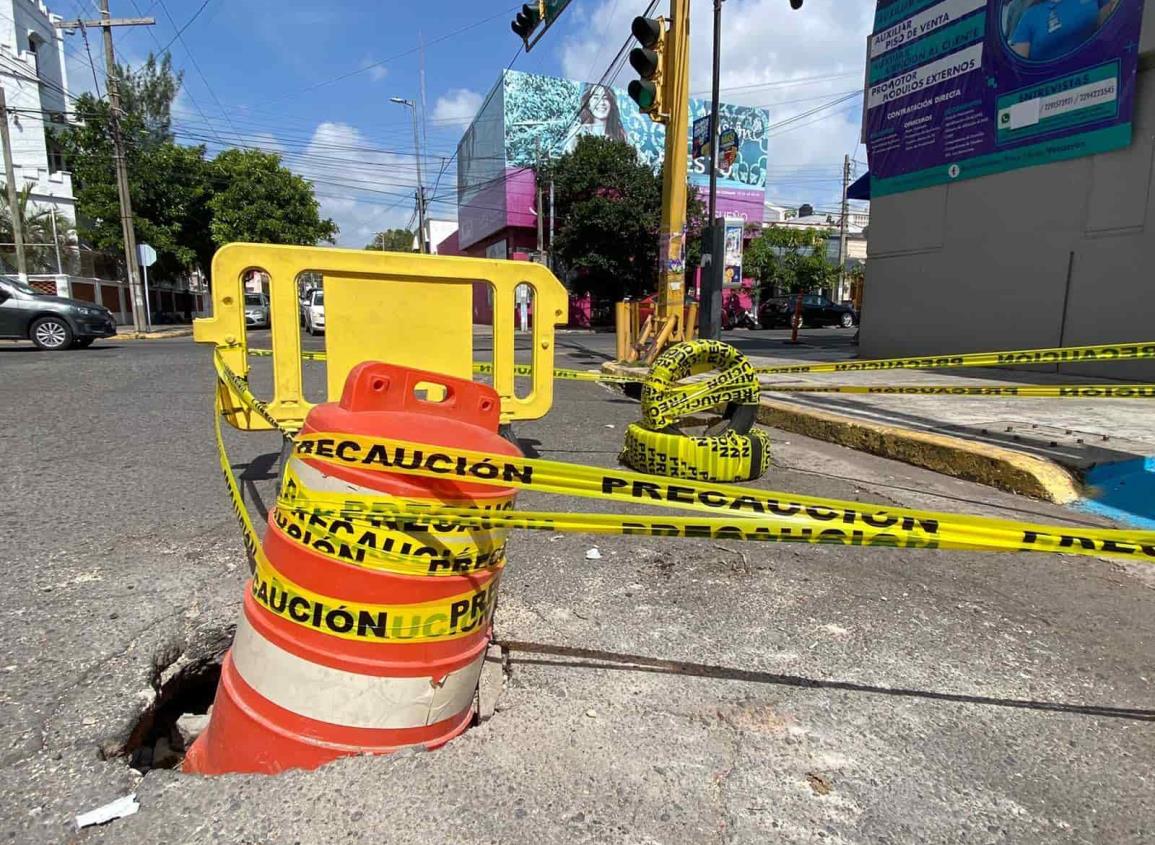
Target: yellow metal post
[676, 93]
[622, 329]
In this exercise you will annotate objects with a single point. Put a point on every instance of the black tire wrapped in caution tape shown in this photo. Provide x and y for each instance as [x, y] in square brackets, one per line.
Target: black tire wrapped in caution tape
[732, 450]
[726, 457]
[664, 401]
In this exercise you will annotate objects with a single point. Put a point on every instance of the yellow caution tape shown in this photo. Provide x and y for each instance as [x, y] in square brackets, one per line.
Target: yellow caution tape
[1107, 353]
[664, 401]
[446, 619]
[1099, 354]
[807, 517]
[486, 368]
[560, 373]
[721, 511]
[1026, 391]
[726, 457]
[387, 543]
[730, 453]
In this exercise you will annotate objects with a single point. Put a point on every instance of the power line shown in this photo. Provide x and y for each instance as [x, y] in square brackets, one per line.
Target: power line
[409, 52]
[782, 83]
[188, 23]
[196, 66]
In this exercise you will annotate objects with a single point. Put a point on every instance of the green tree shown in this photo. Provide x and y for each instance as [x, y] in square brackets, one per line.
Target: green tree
[147, 92]
[183, 205]
[41, 238]
[608, 211]
[789, 258]
[607, 208]
[257, 199]
[169, 183]
[392, 240]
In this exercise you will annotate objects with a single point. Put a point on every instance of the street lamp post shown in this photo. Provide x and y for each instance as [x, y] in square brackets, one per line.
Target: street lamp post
[422, 245]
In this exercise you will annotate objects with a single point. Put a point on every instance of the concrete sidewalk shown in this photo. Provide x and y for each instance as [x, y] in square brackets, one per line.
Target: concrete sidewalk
[156, 333]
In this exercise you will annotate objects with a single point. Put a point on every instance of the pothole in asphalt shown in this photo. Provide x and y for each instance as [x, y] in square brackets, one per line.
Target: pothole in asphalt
[185, 684]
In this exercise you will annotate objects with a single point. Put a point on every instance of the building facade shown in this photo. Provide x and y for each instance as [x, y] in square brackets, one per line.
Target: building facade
[527, 118]
[1053, 253]
[35, 82]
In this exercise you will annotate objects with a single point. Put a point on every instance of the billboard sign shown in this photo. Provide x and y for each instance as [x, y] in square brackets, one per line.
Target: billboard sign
[732, 271]
[545, 116]
[963, 88]
[700, 138]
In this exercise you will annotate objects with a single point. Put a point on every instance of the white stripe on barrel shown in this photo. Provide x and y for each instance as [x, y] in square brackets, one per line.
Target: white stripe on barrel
[353, 700]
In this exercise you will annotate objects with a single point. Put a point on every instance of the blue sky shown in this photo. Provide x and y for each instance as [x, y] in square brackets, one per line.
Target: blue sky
[312, 81]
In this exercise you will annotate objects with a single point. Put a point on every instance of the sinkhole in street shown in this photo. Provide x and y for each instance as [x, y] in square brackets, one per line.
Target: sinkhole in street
[185, 690]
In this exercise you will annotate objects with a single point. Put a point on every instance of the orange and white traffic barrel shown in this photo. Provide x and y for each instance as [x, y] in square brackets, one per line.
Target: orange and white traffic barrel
[364, 635]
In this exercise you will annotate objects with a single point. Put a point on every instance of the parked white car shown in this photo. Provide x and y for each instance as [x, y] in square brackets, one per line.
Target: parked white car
[313, 312]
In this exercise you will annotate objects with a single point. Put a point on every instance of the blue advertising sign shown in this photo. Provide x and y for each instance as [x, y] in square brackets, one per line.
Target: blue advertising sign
[700, 133]
[963, 88]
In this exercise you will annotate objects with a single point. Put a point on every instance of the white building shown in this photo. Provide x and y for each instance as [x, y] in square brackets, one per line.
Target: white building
[439, 230]
[35, 82]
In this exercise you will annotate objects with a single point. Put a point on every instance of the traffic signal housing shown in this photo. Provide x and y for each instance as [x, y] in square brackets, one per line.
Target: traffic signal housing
[649, 60]
[527, 20]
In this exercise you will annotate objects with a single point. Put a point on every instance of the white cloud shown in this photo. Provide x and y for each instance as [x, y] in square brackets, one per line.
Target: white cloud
[457, 106]
[376, 71]
[787, 61]
[364, 188]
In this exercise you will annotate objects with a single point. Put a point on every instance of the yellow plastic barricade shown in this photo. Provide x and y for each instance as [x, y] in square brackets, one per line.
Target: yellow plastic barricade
[403, 308]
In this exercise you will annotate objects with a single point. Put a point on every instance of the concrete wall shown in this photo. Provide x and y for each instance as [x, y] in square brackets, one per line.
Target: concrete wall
[1061, 254]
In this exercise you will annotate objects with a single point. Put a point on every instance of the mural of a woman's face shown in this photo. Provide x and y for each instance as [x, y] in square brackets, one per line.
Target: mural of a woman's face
[599, 103]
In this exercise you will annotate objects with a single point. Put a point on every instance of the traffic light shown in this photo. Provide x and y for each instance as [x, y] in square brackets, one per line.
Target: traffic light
[527, 20]
[648, 61]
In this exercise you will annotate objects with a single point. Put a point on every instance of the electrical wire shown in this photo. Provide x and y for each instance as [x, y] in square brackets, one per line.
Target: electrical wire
[187, 24]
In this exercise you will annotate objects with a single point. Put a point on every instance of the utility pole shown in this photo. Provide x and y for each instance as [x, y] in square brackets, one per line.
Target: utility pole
[13, 194]
[713, 237]
[552, 214]
[131, 260]
[842, 228]
[714, 129]
[671, 247]
[540, 209]
[422, 246]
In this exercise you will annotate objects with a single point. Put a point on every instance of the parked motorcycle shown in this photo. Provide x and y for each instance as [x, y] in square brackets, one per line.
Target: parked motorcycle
[737, 317]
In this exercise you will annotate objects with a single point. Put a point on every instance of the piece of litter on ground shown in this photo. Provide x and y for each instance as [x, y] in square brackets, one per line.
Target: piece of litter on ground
[819, 783]
[593, 554]
[609, 425]
[592, 714]
[117, 809]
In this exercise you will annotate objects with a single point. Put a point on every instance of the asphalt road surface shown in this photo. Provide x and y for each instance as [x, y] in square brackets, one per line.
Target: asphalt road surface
[803, 694]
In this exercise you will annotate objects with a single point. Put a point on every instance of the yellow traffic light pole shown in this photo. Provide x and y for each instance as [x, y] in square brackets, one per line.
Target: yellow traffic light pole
[671, 246]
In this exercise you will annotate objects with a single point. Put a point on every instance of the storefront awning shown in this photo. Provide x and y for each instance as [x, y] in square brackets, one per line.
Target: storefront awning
[860, 188]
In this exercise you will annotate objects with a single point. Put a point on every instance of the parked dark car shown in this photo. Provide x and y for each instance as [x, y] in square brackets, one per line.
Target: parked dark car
[51, 322]
[817, 310]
